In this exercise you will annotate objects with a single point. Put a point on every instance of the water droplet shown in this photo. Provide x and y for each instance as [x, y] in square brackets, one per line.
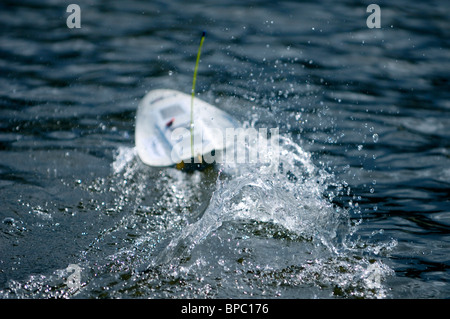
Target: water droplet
[360, 147]
[372, 190]
[375, 137]
[8, 221]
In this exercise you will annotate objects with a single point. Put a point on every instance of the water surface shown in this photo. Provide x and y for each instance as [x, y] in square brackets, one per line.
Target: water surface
[358, 207]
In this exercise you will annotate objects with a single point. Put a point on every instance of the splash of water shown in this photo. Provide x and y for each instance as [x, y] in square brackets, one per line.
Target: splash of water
[259, 229]
[288, 193]
[291, 196]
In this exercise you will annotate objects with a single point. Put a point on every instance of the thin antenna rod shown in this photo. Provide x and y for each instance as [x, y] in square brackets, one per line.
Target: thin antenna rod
[193, 93]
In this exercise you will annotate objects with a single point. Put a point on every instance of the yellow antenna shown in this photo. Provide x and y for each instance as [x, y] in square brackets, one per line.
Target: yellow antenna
[193, 93]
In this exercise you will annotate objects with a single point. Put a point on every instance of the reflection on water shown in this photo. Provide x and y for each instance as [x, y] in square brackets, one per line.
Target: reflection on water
[357, 207]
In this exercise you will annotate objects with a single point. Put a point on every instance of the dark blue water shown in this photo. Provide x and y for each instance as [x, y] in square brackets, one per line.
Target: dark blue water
[358, 208]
